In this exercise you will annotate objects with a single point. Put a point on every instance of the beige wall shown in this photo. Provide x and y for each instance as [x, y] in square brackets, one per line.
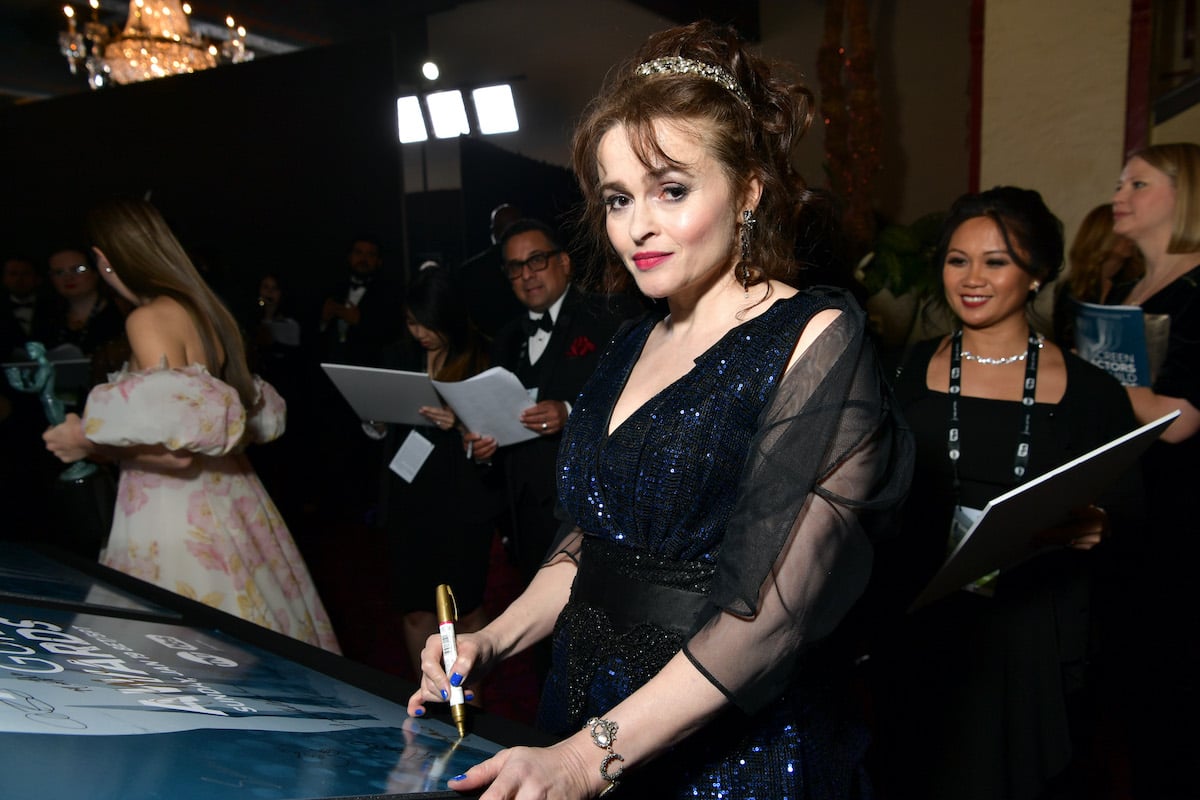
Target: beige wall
[1054, 77]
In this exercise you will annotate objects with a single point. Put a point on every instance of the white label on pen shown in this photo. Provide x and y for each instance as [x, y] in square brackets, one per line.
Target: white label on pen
[449, 655]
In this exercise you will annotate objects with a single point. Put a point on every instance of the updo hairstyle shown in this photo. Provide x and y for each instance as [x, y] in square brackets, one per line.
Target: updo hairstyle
[749, 138]
[1031, 232]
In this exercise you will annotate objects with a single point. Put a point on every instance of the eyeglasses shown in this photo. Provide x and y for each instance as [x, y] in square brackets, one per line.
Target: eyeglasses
[78, 269]
[536, 263]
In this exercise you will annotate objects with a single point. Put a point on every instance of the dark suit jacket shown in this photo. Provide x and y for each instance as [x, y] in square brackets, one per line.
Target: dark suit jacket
[11, 335]
[581, 333]
[381, 313]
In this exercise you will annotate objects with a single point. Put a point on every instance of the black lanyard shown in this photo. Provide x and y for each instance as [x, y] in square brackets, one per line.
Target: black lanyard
[953, 442]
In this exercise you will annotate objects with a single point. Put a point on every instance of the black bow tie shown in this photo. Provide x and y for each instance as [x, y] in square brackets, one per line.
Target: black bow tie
[360, 280]
[532, 326]
[22, 303]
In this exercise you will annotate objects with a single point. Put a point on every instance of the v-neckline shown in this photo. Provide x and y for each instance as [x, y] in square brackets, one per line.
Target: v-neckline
[609, 430]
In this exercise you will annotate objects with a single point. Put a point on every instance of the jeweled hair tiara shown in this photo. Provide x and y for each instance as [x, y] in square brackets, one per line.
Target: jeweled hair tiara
[678, 65]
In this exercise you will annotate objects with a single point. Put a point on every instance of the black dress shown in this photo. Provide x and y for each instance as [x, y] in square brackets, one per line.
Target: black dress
[1173, 470]
[1163, 675]
[974, 692]
[439, 526]
[688, 511]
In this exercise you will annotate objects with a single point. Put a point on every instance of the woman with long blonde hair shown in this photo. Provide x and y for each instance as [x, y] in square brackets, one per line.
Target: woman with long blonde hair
[1157, 205]
[191, 514]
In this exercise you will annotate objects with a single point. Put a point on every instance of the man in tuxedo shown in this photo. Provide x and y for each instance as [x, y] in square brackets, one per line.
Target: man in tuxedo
[362, 312]
[552, 348]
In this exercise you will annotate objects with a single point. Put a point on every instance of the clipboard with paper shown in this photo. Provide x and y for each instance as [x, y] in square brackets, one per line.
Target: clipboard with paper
[999, 538]
[384, 395]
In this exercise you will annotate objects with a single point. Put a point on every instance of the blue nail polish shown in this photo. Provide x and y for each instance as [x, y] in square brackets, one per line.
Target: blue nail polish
[459, 778]
[420, 712]
[456, 680]
[444, 695]
[469, 695]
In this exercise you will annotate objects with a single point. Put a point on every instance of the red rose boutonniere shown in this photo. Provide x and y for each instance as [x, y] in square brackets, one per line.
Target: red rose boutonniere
[580, 347]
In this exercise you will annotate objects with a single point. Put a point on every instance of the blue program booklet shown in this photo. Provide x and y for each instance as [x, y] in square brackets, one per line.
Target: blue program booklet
[103, 707]
[1114, 339]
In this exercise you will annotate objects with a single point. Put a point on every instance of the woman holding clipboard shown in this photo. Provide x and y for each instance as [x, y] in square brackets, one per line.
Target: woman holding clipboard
[440, 520]
[979, 687]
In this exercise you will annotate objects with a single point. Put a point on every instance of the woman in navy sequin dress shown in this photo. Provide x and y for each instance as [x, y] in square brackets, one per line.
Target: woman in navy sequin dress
[724, 472]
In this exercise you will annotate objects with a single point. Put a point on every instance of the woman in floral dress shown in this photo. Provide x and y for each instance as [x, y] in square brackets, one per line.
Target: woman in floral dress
[191, 515]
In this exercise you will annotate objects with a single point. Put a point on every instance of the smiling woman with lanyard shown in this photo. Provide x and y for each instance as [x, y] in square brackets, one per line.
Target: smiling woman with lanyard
[975, 688]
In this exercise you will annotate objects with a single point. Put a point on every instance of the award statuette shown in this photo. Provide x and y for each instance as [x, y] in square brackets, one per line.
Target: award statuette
[40, 380]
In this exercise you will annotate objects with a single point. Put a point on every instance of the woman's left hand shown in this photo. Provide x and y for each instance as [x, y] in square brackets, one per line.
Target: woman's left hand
[1086, 528]
[441, 416]
[66, 440]
[559, 772]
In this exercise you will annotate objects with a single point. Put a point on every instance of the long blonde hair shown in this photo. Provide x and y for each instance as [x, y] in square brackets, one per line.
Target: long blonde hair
[150, 262]
[751, 138]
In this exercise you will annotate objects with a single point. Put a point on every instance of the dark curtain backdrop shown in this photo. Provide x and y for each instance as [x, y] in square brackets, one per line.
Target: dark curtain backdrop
[271, 165]
[451, 225]
[491, 176]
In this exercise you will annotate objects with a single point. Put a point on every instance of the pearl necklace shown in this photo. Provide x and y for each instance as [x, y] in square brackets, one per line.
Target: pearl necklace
[999, 362]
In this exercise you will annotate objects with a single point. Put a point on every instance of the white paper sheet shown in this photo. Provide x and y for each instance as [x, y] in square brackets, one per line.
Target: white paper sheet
[490, 404]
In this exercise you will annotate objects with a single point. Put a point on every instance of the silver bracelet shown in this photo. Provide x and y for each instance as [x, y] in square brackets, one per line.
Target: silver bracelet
[604, 733]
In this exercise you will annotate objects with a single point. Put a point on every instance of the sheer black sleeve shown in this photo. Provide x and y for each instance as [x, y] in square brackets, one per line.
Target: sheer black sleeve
[829, 463]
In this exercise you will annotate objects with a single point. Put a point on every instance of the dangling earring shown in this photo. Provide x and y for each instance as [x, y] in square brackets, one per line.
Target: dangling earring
[1033, 287]
[748, 223]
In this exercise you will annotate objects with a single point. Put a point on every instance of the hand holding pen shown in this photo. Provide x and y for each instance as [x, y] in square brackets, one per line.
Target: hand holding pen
[475, 652]
[447, 614]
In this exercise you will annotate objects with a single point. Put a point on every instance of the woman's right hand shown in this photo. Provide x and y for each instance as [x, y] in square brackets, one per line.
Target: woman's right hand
[483, 448]
[1084, 530]
[476, 655]
[66, 440]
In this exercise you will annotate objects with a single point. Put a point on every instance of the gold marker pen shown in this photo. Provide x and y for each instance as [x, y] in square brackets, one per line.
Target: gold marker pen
[447, 614]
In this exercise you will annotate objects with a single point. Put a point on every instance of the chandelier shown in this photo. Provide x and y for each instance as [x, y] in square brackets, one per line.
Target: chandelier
[157, 41]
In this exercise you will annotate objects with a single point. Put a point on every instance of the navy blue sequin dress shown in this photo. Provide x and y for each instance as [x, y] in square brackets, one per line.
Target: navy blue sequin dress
[654, 499]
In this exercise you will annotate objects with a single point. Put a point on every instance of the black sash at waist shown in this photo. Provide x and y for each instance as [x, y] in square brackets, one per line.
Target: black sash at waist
[634, 587]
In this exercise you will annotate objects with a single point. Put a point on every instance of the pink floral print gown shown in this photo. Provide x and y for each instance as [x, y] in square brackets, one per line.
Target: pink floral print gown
[210, 532]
